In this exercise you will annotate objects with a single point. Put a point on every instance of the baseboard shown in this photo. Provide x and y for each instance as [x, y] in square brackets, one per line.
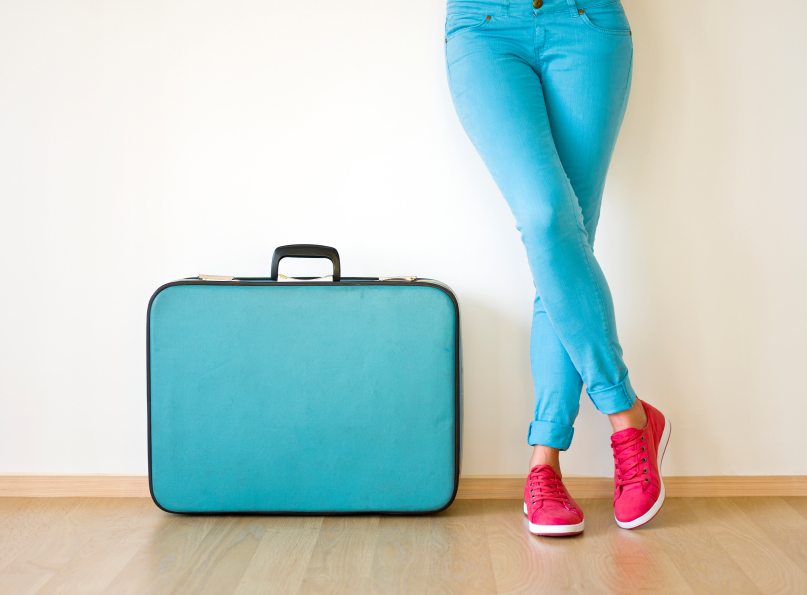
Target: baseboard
[484, 487]
[472, 487]
[75, 486]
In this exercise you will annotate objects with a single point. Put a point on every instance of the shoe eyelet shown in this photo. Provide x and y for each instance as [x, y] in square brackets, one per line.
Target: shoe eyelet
[647, 480]
[644, 460]
[642, 437]
[643, 449]
[645, 469]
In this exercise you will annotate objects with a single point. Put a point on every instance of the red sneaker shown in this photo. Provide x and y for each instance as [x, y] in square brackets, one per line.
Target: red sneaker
[638, 488]
[548, 506]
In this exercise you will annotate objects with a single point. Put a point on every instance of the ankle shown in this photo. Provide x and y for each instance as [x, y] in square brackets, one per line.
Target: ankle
[546, 455]
[635, 417]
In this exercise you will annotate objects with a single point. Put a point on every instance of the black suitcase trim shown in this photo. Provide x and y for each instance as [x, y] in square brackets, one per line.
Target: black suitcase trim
[344, 281]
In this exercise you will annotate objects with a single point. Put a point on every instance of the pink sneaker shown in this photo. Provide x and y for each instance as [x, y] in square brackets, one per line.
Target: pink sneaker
[638, 488]
[548, 506]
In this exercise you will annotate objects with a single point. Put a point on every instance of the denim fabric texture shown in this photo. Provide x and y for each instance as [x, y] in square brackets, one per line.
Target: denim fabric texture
[541, 90]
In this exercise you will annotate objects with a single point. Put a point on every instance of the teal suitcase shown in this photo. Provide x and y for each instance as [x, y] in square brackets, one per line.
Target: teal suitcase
[304, 396]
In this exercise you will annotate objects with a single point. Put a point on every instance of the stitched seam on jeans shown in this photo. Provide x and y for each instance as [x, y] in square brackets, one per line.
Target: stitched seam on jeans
[614, 32]
[485, 21]
[448, 68]
[582, 242]
[591, 271]
[627, 82]
[566, 10]
[604, 3]
[535, 46]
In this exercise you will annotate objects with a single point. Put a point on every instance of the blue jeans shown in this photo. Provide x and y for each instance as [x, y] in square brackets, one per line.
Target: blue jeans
[541, 93]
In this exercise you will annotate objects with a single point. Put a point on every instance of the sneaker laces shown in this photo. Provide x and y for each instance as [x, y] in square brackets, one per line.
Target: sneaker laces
[546, 486]
[630, 462]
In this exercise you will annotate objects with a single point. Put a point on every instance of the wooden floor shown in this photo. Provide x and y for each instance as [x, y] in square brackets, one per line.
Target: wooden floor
[122, 545]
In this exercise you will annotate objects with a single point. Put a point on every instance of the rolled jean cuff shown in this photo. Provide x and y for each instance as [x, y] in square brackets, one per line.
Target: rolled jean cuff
[614, 398]
[548, 433]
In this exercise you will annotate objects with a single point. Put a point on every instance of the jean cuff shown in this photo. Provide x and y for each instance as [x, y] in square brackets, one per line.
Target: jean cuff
[548, 433]
[614, 398]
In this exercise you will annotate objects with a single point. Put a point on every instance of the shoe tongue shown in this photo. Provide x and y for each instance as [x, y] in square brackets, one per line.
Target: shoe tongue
[543, 470]
[624, 435]
[546, 471]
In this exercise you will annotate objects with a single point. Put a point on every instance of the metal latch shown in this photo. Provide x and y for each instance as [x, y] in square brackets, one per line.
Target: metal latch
[397, 278]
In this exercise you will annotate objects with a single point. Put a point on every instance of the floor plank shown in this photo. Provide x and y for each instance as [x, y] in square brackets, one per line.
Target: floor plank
[29, 522]
[401, 563]
[11, 507]
[221, 560]
[641, 564]
[98, 545]
[701, 560]
[526, 563]
[103, 557]
[780, 523]
[160, 564]
[280, 562]
[342, 559]
[43, 557]
[797, 503]
[759, 557]
[460, 557]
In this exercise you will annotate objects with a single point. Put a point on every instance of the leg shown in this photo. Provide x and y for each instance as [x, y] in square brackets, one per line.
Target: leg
[499, 99]
[585, 139]
[557, 389]
[577, 62]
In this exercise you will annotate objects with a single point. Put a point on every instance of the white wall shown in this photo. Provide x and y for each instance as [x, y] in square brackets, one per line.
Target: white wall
[145, 141]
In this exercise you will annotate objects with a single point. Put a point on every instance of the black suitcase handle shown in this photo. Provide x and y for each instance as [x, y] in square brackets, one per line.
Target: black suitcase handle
[305, 251]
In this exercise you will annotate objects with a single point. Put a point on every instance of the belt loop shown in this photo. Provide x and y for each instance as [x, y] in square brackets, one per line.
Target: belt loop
[572, 8]
[506, 9]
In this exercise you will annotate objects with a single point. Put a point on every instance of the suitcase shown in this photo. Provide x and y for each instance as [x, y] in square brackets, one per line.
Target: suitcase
[304, 396]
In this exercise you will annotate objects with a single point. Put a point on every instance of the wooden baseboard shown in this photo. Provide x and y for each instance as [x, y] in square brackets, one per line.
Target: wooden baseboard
[472, 487]
[75, 486]
[485, 487]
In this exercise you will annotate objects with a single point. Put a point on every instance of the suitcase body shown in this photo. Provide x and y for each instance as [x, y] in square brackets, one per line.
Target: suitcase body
[304, 397]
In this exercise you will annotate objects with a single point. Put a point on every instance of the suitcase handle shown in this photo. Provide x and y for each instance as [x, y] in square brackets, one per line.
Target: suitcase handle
[305, 251]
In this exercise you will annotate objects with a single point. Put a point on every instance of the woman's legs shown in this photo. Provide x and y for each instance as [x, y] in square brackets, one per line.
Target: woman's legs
[542, 95]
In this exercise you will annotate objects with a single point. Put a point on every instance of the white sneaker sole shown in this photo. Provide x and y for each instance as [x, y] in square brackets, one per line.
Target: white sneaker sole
[646, 517]
[555, 529]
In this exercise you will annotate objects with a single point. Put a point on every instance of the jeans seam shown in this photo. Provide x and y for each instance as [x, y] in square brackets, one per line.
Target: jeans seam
[627, 82]
[603, 3]
[448, 68]
[566, 10]
[535, 50]
[582, 242]
[466, 29]
[613, 32]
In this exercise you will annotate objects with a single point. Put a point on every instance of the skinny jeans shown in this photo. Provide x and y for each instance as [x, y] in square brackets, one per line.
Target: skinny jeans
[541, 90]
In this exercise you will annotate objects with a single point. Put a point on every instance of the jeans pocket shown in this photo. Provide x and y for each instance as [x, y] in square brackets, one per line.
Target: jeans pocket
[609, 19]
[460, 23]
